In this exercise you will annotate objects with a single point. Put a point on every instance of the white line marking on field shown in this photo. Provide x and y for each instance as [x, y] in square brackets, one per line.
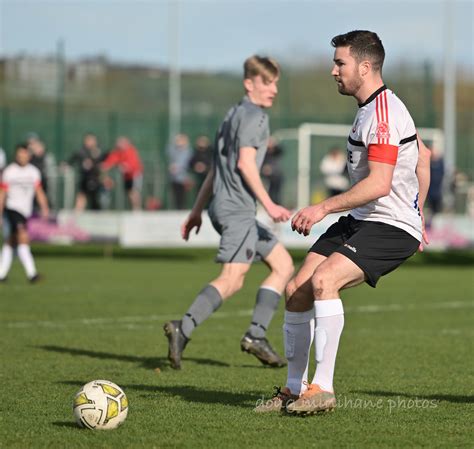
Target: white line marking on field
[128, 322]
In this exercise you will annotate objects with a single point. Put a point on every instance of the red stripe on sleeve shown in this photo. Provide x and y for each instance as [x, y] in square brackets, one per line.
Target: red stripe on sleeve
[382, 108]
[37, 184]
[386, 111]
[378, 116]
[383, 152]
[4, 186]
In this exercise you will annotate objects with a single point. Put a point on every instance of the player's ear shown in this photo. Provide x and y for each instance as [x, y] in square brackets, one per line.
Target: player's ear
[364, 68]
[248, 84]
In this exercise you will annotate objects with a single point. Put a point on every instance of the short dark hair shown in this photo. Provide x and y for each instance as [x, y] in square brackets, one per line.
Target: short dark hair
[21, 146]
[363, 45]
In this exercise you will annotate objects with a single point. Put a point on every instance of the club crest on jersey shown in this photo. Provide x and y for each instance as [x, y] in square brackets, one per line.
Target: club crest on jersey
[354, 128]
[383, 131]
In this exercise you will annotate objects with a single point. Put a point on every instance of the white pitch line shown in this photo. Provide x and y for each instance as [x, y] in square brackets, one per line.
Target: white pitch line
[130, 320]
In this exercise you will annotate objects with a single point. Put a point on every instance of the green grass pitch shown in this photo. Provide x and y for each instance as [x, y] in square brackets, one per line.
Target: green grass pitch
[404, 376]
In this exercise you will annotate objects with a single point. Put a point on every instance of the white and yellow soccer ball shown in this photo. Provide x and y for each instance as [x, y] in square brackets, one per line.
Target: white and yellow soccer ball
[100, 404]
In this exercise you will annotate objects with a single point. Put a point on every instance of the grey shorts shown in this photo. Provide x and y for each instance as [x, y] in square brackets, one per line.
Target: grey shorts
[136, 183]
[243, 239]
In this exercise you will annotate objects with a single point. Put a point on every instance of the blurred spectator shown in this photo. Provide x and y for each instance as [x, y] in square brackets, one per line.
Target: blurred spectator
[333, 168]
[435, 192]
[126, 157]
[42, 160]
[88, 159]
[3, 161]
[179, 155]
[201, 161]
[272, 172]
[459, 187]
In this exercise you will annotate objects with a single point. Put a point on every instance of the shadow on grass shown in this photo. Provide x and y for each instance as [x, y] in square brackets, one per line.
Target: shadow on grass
[457, 399]
[189, 393]
[259, 366]
[145, 362]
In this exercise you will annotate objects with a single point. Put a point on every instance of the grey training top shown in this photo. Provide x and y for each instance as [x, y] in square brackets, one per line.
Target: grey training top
[245, 125]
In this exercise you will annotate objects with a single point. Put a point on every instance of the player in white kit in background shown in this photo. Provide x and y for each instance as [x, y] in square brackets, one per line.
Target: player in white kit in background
[20, 184]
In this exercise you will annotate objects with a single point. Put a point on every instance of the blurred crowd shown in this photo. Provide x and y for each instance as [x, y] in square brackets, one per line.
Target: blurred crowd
[186, 168]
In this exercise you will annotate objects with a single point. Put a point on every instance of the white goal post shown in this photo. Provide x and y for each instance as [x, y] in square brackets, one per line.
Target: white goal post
[306, 131]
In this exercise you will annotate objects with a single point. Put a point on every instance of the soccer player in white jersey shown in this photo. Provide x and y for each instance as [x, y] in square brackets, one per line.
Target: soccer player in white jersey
[389, 171]
[21, 182]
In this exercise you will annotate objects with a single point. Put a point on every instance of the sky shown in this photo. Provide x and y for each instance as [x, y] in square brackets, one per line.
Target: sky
[218, 35]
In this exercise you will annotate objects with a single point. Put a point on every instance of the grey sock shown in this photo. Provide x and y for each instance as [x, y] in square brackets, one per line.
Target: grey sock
[265, 307]
[205, 304]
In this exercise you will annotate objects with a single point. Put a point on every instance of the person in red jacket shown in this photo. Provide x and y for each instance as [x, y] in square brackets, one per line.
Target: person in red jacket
[126, 157]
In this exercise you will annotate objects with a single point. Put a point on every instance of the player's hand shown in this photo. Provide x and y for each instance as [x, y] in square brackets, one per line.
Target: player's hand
[425, 240]
[278, 213]
[193, 221]
[304, 220]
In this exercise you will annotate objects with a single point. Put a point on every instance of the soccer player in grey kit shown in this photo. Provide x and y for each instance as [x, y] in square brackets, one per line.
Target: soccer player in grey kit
[235, 185]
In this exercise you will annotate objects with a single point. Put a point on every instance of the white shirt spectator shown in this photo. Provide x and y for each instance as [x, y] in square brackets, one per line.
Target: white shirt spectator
[20, 184]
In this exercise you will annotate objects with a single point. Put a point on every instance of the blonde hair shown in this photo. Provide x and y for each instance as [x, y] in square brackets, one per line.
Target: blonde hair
[264, 66]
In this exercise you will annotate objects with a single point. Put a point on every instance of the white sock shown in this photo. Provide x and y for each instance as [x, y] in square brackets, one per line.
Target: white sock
[329, 325]
[26, 258]
[298, 331]
[6, 263]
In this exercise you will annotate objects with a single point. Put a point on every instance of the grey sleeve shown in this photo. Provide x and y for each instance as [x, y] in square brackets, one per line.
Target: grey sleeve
[253, 130]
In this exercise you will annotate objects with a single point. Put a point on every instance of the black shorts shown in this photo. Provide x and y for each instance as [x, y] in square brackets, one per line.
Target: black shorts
[15, 219]
[89, 185]
[376, 248]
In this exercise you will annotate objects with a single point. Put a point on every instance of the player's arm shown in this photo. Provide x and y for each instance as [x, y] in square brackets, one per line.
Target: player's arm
[423, 175]
[111, 160]
[194, 219]
[3, 196]
[42, 201]
[376, 185]
[247, 165]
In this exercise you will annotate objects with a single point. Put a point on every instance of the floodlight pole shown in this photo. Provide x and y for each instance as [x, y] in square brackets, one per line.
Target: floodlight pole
[1, 28]
[449, 113]
[60, 86]
[174, 80]
[5, 128]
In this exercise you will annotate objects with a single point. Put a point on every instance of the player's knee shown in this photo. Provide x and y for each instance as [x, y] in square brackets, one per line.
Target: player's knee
[290, 289]
[289, 269]
[298, 298]
[285, 269]
[322, 280]
[281, 264]
[234, 283]
[239, 282]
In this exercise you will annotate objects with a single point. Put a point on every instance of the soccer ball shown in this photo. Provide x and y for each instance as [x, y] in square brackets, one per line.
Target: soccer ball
[100, 404]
